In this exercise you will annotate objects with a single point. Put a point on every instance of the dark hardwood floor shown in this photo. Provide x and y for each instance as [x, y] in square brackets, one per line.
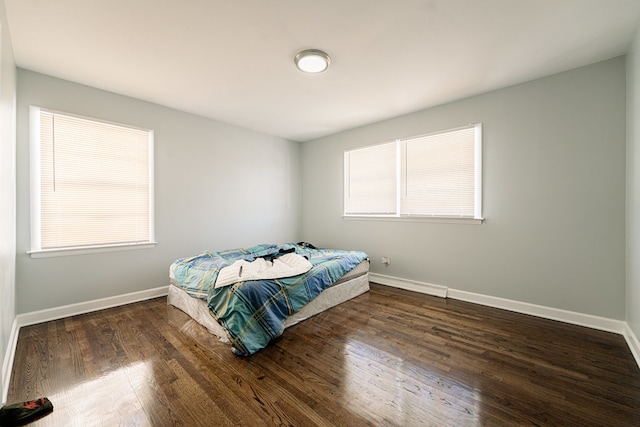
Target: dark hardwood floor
[389, 357]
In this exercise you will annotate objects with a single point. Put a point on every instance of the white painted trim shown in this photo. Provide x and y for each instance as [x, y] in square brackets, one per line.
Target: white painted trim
[413, 218]
[594, 322]
[409, 285]
[587, 320]
[7, 365]
[633, 342]
[47, 253]
[572, 317]
[47, 315]
[34, 174]
[88, 306]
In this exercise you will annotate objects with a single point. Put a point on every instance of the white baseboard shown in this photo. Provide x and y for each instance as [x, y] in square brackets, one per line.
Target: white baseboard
[590, 321]
[62, 312]
[633, 342]
[409, 285]
[595, 322]
[7, 365]
[88, 306]
[571, 317]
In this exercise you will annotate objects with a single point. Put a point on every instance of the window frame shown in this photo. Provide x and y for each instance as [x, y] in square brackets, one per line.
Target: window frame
[399, 215]
[36, 250]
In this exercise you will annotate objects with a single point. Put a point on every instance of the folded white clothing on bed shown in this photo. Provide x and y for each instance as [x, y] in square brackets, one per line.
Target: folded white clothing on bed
[287, 265]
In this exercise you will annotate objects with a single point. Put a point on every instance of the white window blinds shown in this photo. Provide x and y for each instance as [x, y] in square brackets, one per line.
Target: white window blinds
[371, 186]
[435, 175]
[93, 182]
[438, 174]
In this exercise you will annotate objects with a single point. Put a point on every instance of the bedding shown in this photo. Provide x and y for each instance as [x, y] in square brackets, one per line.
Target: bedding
[287, 265]
[253, 312]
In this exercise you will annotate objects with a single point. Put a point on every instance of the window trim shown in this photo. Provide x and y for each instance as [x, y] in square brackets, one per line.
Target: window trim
[36, 250]
[81, 250]
[398, 216]
[414, 218]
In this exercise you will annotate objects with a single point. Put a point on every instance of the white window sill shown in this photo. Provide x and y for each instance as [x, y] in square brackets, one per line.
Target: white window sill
[46, 253]
[442, 220]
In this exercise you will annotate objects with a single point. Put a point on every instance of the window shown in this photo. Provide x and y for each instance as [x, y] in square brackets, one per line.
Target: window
[91, 185]
[437, 175]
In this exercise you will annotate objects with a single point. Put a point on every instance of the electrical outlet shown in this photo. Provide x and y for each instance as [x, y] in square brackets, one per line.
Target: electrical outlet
[386, 261]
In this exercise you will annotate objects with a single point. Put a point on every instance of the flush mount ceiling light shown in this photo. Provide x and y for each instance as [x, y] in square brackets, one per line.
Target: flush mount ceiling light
[312, 61]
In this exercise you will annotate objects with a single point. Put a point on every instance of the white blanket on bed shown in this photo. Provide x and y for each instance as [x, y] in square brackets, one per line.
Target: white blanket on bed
[287, 265]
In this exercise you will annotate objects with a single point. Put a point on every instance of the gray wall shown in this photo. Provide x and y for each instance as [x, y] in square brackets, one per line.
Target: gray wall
[216, 186]
[554, 196]
[633, 186]
[7, 192]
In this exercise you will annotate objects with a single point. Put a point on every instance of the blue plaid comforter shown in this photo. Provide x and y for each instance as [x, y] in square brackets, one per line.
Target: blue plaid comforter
[253, 312]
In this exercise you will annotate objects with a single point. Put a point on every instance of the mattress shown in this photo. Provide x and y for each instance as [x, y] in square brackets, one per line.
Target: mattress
[352, 284]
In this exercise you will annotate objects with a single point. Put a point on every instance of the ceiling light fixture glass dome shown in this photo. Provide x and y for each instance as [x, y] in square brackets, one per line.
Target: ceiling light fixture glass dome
[312, 61]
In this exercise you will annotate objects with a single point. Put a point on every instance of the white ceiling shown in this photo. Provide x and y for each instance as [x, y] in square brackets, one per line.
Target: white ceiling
[232, 60]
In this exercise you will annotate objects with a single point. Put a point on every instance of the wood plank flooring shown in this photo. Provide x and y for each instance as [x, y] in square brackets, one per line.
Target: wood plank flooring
[387, 358]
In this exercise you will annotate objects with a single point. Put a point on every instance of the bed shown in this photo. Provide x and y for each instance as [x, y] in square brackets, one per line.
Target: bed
[248, 296]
